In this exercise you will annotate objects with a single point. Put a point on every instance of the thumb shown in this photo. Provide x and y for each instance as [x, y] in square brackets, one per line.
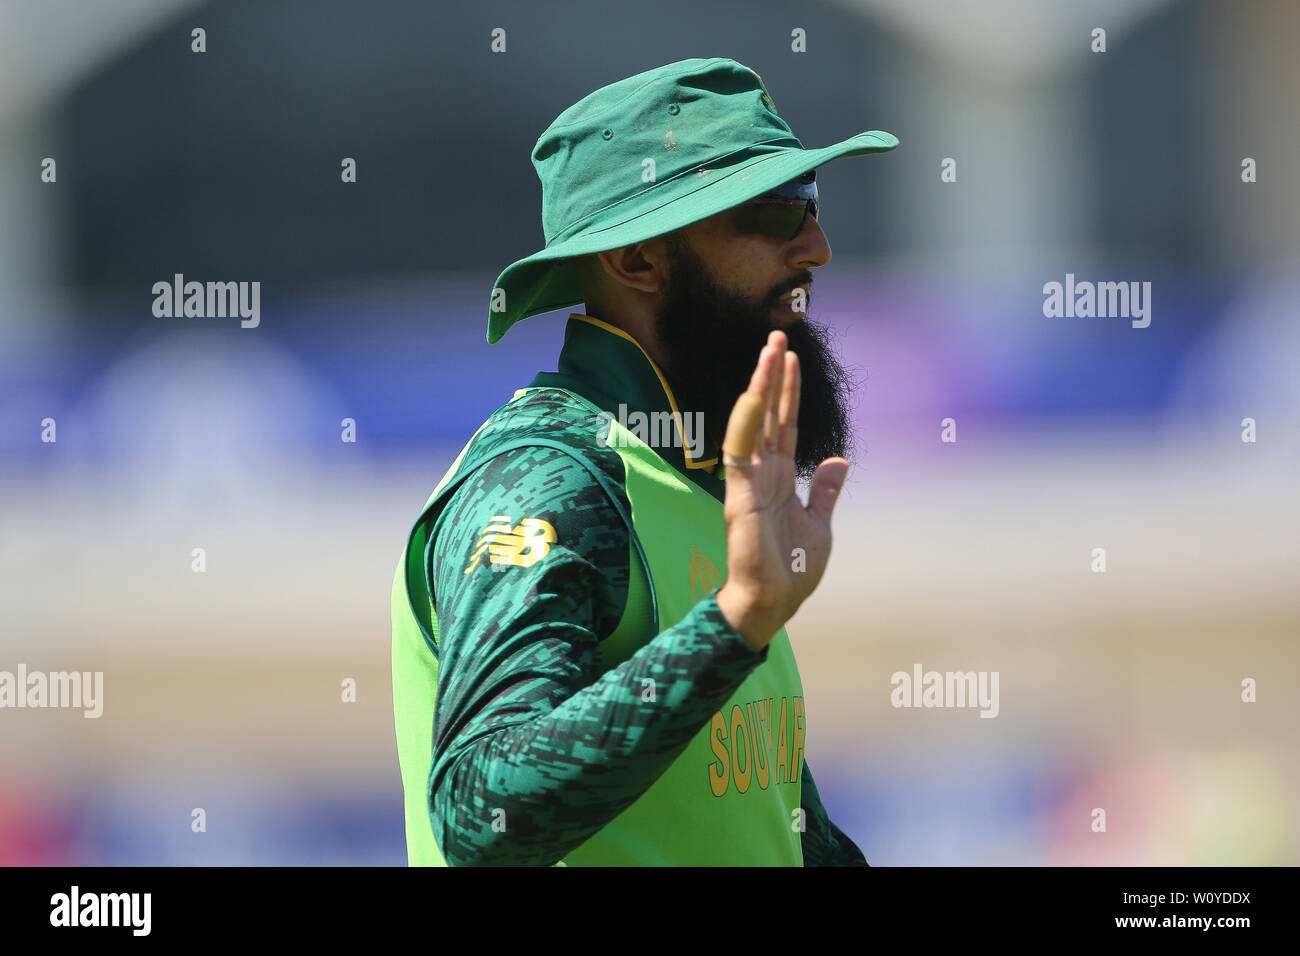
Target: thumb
[826, 484]
[743, 425]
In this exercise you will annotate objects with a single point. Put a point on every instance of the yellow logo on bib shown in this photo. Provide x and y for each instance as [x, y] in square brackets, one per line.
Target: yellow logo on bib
[704, 576]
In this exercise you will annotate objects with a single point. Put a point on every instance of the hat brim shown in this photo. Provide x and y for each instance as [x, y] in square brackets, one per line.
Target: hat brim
[539, 283]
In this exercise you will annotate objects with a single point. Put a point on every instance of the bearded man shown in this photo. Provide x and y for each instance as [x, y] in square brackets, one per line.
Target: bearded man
[590, 662]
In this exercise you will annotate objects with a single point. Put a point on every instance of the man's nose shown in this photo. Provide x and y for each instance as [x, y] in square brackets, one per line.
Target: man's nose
[810, 248]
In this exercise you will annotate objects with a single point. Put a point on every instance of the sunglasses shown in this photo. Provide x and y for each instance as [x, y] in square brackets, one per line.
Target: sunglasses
[780, 213]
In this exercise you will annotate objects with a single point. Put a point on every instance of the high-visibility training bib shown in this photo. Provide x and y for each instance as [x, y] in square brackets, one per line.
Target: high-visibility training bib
[732, 797]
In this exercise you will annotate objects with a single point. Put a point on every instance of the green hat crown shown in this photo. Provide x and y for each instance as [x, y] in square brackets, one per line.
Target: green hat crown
[632, 138]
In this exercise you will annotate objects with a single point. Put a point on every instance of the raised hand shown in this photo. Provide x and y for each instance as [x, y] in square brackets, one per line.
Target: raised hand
[766, 521]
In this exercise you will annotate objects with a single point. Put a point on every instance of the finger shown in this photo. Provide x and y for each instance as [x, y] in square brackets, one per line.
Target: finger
[756, 377]
[788, 439]
[743, 425]
[826, 485]
[772, 397]
[759, 387]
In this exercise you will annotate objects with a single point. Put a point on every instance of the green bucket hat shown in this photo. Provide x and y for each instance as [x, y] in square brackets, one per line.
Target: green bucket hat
[647, 156]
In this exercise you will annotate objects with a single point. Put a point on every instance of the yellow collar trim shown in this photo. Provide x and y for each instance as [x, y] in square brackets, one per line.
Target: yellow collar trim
[672, 402]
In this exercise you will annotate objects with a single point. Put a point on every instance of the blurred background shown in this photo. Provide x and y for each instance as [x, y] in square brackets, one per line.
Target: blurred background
[222, 689]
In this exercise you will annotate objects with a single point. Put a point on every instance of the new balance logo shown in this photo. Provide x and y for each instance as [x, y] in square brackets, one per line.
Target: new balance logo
[521, 546]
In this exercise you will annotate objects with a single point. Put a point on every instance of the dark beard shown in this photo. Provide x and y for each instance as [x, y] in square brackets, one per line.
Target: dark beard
[713, 339]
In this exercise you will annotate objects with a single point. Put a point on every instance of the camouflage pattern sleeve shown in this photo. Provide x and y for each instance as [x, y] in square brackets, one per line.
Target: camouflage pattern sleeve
[824, 844]
[535, 749]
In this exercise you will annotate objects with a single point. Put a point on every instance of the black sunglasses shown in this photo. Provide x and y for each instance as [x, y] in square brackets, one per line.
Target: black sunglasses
[780, 213]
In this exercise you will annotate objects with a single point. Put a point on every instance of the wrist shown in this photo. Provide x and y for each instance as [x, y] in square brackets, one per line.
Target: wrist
[755, 623]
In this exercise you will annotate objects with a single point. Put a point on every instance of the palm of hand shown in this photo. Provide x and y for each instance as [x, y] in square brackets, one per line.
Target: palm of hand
[777, 548]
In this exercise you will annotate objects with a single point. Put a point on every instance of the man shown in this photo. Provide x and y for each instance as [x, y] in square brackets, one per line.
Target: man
[590, 665]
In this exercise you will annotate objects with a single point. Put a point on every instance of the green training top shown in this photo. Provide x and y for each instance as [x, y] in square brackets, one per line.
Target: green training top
[577, 696]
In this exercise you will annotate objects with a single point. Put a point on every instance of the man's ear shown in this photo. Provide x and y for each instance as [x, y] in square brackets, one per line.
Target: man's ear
[631, 265]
